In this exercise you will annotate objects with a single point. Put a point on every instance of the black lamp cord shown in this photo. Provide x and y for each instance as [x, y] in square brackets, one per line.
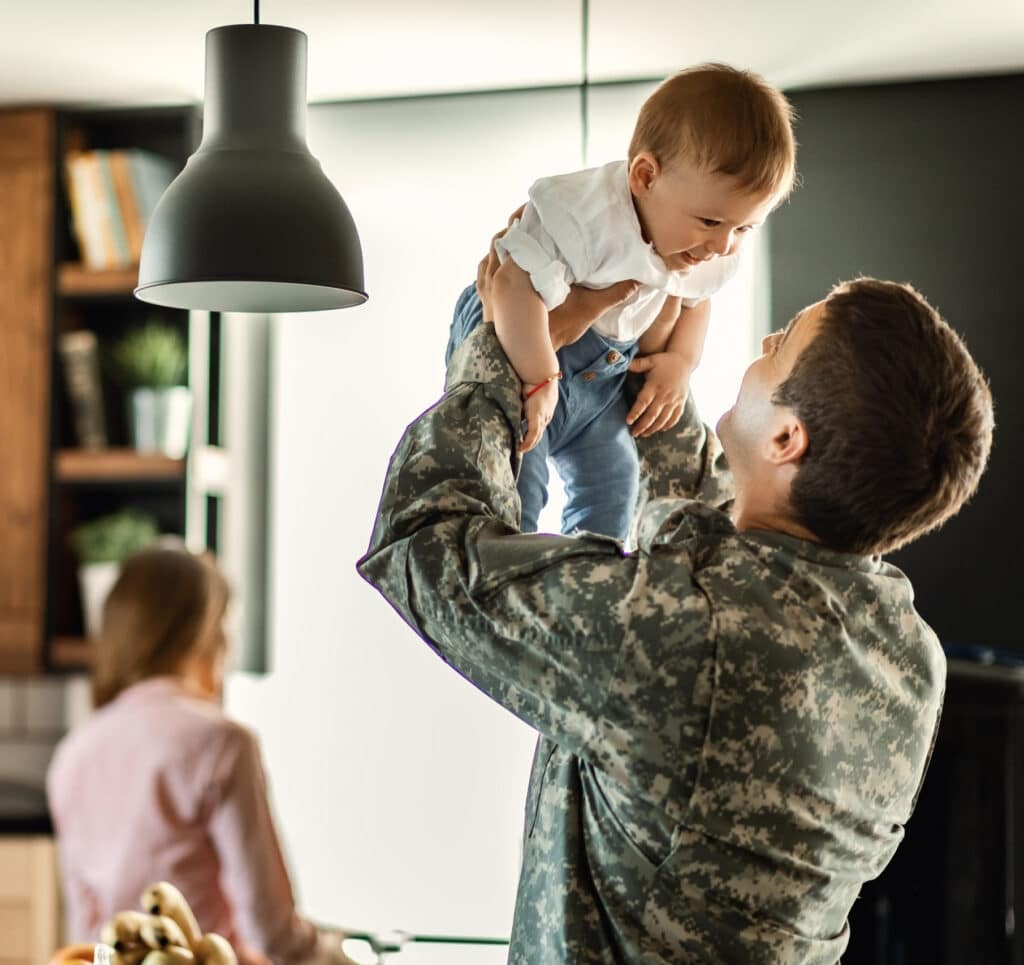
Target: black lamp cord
[585, 86]
[256, 12]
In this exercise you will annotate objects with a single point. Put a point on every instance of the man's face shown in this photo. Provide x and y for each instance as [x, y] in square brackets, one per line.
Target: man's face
[690, 215]
[748, 428]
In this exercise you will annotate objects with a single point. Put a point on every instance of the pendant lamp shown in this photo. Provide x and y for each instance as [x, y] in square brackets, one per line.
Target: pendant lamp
[252, 224]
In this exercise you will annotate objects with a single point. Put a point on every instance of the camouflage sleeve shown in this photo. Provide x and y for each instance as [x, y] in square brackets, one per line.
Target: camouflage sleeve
[685, 462]
[546, 625]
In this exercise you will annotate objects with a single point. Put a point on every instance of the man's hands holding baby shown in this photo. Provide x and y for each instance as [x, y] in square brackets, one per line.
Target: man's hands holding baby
[572, 319]
[659, 404]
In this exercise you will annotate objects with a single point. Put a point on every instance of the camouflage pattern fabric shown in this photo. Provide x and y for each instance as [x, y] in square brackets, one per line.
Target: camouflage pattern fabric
[734, 726]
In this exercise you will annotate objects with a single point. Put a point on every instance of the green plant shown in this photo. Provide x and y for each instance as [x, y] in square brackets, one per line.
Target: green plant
[152, 356]
[109, 539]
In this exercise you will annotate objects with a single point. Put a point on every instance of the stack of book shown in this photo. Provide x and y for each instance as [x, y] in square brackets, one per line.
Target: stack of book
[80, 355]
[112, 195]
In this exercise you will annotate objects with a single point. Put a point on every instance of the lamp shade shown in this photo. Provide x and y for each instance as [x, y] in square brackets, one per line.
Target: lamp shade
[252, 223]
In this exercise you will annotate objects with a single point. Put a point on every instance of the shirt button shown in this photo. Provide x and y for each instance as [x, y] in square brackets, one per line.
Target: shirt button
[612, 357]
[589, 376]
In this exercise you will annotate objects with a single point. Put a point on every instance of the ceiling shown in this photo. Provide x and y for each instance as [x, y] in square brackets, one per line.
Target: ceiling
[141, 52]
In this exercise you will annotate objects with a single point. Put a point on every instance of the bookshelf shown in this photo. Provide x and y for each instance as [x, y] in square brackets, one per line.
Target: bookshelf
[115, 465]
[69, 653]
[74, 280]
[85, 483]
[54, 481]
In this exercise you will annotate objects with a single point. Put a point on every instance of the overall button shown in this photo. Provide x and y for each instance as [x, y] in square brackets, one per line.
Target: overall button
[588, 376]
[612, 357]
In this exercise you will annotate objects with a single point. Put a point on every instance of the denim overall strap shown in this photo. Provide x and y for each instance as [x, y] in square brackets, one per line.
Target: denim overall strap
[587, 439]
[468, 314]
[594, 372]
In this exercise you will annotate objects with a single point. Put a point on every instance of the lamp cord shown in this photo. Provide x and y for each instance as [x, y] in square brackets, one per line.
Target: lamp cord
[585, 86]
[256, 12]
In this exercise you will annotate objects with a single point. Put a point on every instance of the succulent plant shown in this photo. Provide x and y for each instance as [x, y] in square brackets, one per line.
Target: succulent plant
[152, 356]
[111, 538]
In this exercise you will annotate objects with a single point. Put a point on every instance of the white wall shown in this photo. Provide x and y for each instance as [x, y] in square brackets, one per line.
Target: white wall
[399, 788]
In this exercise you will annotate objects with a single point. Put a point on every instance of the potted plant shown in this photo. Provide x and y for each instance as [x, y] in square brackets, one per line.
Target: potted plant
[152, 361]
[101, 545]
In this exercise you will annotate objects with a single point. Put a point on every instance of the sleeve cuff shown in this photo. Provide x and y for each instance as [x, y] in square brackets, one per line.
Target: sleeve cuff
[549, 276]
[481, 359]
[684, 462]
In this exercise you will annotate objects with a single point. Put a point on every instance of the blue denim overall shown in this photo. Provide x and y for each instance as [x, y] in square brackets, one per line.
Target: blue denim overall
[587, 440]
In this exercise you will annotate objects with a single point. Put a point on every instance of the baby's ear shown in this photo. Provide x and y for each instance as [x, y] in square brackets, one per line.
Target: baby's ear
[643, 169]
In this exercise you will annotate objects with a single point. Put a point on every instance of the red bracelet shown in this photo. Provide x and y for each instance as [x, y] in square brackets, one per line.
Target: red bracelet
[540, 385]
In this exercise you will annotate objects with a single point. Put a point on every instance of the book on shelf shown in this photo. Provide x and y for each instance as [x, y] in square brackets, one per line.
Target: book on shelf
[116, 215]
[112, 195]
[124, 193]
[89, 210]
[80, 357]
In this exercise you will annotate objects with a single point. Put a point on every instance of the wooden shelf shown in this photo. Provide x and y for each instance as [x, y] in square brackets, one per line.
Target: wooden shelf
[103, 465]
[70, 653]
[48, 291]
[73, 278]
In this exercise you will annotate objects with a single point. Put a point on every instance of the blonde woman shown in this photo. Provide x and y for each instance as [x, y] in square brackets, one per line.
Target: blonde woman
[160, 785]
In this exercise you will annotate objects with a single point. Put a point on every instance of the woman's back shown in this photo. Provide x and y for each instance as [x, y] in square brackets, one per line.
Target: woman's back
[159, 785]
[132, 793]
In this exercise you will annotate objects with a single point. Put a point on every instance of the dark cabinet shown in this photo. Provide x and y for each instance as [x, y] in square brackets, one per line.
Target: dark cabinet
[951, 896]
[893, 177]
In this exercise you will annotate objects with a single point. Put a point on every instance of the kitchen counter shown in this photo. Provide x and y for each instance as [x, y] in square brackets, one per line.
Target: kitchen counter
[23, 809]
[994, 673]
[25, 824]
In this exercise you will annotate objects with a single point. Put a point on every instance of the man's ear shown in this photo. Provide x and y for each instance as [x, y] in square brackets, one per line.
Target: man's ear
[789, 439]
[643, 170]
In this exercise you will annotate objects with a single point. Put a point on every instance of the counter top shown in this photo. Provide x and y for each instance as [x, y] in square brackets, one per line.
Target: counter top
[994, 673]
[23, 809]
[25, 824]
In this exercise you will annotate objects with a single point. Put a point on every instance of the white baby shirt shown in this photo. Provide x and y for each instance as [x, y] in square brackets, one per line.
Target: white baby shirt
[581, 228]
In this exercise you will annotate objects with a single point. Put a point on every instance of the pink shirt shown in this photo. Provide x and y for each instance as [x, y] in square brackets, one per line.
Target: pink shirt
[159, 785]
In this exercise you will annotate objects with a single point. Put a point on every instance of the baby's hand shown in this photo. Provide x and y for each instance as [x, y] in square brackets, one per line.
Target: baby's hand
[537, 411]
[659, 404]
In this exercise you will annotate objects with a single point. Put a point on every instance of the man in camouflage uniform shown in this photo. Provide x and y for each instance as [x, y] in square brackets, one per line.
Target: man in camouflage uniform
[735, 718]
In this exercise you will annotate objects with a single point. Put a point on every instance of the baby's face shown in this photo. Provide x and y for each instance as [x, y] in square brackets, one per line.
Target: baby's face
[691, 215]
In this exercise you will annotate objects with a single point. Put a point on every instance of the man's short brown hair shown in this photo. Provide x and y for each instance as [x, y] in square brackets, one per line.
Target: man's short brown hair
[898, 416]
[723, 120]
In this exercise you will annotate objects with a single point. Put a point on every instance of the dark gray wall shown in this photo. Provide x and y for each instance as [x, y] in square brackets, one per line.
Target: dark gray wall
[923, 183]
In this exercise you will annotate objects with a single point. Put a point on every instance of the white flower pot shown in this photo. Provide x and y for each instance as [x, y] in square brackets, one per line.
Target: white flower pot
[159, 419]
[95, 581]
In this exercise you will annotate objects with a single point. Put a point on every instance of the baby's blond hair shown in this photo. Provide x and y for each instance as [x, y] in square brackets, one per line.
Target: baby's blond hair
[723, 120]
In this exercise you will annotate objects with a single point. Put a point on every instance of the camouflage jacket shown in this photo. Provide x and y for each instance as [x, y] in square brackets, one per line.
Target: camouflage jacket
[734, 726]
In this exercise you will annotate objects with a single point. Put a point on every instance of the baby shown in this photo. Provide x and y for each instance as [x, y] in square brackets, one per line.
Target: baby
[711, 155]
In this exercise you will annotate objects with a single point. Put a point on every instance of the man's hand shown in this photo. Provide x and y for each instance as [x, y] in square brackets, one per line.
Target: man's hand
[659, 404]
[485, 272]
[538, 410]
[570, 321]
